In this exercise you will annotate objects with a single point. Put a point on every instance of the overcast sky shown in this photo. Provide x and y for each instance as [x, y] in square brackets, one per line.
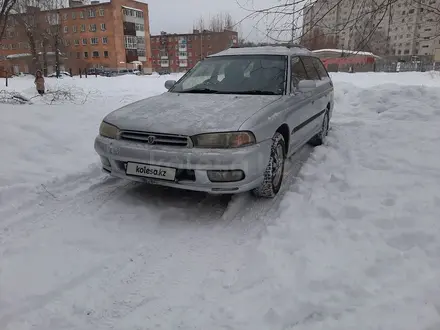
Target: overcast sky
[178, 16]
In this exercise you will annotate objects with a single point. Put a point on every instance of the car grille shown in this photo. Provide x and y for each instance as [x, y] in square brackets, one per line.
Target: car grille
[156, 138]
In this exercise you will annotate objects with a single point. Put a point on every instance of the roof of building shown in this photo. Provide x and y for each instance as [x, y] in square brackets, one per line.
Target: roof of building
[265, 50]
[166, 34]
[344, 51]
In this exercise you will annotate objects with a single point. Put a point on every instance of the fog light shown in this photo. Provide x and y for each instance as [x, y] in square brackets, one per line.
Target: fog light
[105, 162]
[225, 176]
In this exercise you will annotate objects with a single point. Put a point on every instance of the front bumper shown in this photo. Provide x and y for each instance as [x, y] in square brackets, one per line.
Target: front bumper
[192, 164]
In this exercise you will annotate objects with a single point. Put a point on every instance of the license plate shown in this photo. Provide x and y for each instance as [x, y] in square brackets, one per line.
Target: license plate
[150, 171]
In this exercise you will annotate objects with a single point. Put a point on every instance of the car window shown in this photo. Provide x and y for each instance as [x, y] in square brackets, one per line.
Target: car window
[298, 72]
[320, 68]
[252, 74]
[310, 68]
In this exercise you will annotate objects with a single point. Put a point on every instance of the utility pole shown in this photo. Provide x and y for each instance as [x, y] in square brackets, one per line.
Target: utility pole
[292, 36]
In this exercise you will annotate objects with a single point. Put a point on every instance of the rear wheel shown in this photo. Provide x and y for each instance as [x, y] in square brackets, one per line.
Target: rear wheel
[319, 138]
[273, 175]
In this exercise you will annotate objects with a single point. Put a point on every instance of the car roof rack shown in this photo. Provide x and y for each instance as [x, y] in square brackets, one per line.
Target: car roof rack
[286, 44]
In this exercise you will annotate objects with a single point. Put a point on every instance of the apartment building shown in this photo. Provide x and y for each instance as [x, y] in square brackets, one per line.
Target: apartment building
[180, 52]
[112, 35]
[406, 27]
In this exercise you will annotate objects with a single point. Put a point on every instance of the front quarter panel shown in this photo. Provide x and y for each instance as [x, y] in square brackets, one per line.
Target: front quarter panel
[265, 122]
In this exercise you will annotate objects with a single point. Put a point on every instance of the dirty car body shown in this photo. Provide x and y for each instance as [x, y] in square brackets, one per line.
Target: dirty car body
[226, 126]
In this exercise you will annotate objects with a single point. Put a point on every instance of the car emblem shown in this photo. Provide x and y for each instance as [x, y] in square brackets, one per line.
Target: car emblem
[151, 139]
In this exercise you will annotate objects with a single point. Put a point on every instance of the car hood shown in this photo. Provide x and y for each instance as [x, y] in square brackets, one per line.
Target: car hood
[189, 114]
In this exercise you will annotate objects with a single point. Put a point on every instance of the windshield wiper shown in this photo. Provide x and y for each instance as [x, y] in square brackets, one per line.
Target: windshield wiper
[201, 90]
[256, 92]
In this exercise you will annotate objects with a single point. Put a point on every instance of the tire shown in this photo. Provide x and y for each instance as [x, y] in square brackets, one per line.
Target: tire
[273, 175]
[319, 138]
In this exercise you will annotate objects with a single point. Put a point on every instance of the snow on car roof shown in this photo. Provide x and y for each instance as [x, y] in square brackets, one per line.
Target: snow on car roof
[265, 50]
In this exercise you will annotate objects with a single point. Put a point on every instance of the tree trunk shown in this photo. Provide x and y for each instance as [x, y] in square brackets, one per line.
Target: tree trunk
[57, 56]
[35, 58]
[44, 58]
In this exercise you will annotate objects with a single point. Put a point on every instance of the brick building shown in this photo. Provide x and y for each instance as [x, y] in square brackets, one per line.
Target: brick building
[180, 52]
[113, 35]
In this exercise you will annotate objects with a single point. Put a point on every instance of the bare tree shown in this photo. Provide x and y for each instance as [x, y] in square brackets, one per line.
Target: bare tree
[320, 21]
[317, 39]
[28, 20]
[199, 24]
[5, 8]
[53, 34]
[217, 23]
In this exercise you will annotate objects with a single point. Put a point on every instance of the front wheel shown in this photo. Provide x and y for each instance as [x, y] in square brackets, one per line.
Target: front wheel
[273, 175]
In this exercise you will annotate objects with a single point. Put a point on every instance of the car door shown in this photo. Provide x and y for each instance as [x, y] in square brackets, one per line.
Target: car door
[298, 103]
[325, 88]
[317, 106]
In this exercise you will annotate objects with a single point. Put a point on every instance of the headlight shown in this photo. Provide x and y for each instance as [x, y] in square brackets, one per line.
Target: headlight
[224, 140]
[108, 131]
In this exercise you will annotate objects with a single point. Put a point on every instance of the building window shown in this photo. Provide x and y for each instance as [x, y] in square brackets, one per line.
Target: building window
[83, 27]
[141, 52]
[93, 27]
[105, 40]
[95, 54]
[139, 27]
[81, 14]
[139, 14]
[78, 54]
[92, 13]
[66, 42]
[84, 41]
[76, 42]
[64, 16]
[103, 27]
[86, 55]
[130, 42]
[106, 53]
[14, 46]
[101, 12]
[94, 41]
[66, 29]
[73, 15]
[74, 29]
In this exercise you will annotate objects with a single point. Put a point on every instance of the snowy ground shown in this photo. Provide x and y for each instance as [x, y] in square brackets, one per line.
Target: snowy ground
[353, 241]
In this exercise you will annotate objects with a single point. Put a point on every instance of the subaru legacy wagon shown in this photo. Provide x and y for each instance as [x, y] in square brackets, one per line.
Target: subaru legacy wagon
[226, 126]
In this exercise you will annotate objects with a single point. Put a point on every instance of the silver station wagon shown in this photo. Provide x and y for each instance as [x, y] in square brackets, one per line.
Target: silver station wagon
[227, 126]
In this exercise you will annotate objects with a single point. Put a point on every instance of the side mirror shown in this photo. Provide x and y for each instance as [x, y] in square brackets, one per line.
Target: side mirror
[169, 83]
[306, 85]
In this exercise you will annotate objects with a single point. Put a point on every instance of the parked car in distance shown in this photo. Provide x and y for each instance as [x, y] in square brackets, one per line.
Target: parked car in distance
[62, 74]
[227, 126]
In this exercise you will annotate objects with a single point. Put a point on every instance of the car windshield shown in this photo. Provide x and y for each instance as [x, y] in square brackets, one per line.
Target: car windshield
[236, 74]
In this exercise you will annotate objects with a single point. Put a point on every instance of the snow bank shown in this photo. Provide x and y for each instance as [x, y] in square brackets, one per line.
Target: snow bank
[357, 243]
[42, 142]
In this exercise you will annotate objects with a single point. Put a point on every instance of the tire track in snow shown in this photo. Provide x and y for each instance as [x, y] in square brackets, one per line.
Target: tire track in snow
[252, 212]
[158, 251]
